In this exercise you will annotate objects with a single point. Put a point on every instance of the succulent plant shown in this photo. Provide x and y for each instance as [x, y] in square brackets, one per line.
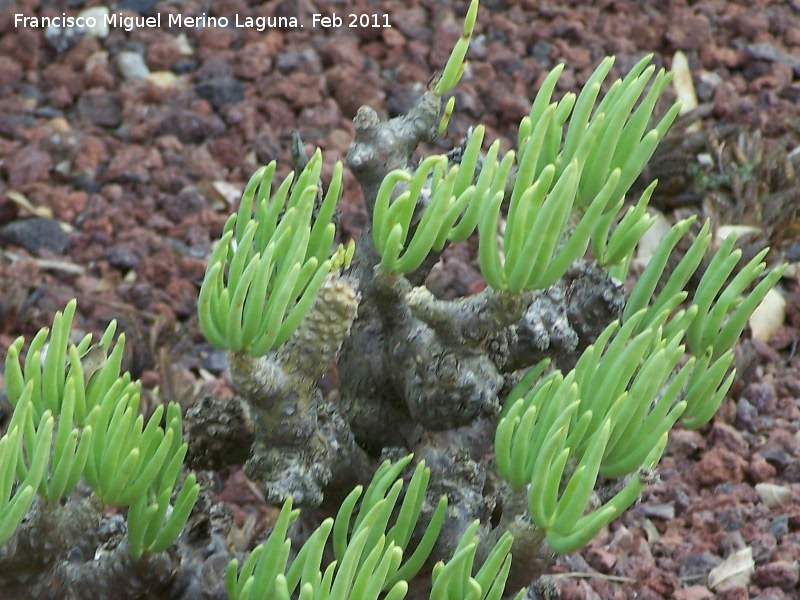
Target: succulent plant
[505, 410]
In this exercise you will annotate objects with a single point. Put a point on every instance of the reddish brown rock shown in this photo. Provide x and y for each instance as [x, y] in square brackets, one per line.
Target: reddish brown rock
[713, 56]
[183, 297]
[91, 154]
[792, 36]
[750, 23]
[737, 592]
[132, 163]
[353, 89]
[720, 465]
[100, 77]
[10, 71]
[162, 56]
[694, 592]
[28, 166]
[253, 61]
[688, 30]
[601, 559]
[759, 470]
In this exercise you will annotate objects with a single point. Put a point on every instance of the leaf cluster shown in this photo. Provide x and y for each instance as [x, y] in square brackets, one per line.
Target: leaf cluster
[264, 274]
[573, 158]
[75, 417]
[446, 194]
[611, 415]
[718, 310]
[371, 558]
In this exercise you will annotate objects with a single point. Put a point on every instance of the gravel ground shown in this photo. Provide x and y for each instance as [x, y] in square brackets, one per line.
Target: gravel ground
[121, 157]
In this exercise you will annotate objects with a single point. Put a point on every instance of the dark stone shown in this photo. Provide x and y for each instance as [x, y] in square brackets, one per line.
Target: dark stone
[680, 496]
[184, 66]
[746, 416]
[267, 148]
[84, 180]
[28, 90]
[541, 51]
[776, 456]
[779, 526]
[35, 234]
[219, 91]
[214, 360]
[121, 257]
[48, 112]
[754, 69]
[291, 60]
[288, 61]
[768, 52]
[62, 39]
[101, 108]
[791, 473]
[286, 8]
[400, 102]
[697, 566]
[793, 250]
[762, 396]
[191, 127]
[730, 518]
[780, 573]
[143, 7]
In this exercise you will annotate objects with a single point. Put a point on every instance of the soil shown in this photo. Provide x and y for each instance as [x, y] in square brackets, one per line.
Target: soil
[122, 156]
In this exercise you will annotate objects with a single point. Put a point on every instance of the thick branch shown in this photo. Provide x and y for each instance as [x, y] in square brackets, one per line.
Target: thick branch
[443, 386]
[380, 147]
[468, 320]
[114, 574]
[46, 536]
[301, 442]
[563, 320]
[219, 432]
